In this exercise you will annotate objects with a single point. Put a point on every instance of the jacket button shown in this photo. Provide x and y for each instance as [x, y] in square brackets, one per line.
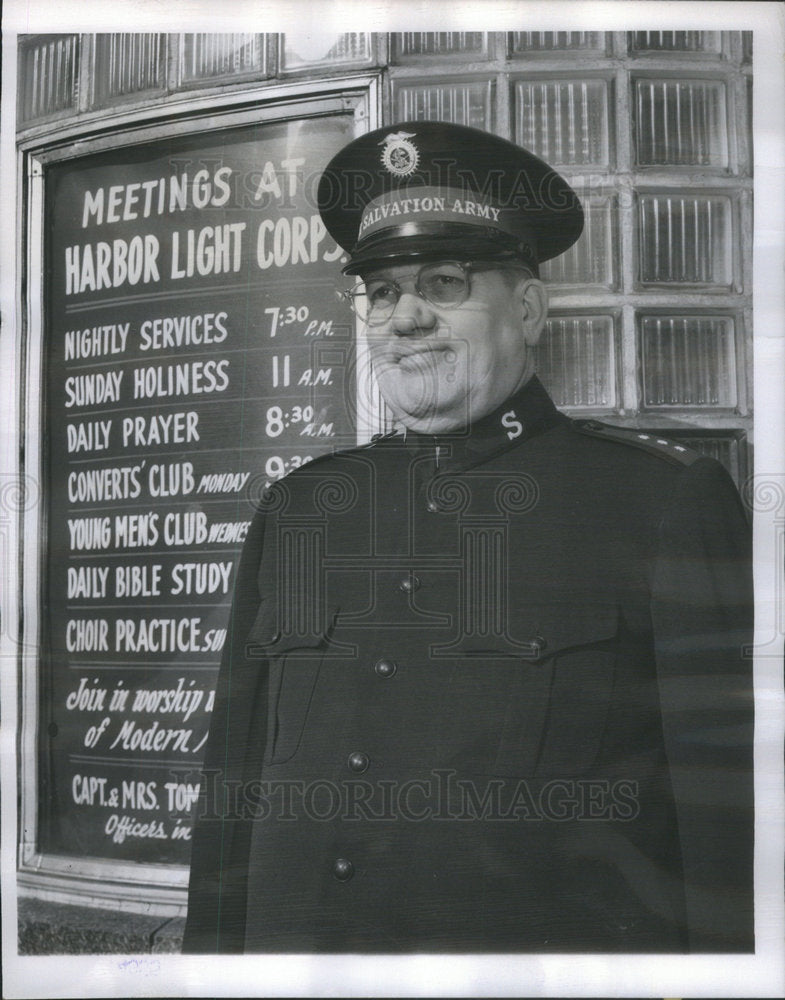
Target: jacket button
[409, 584]
[358, 762]
[385, 667]
[343, 869]
[537, 647]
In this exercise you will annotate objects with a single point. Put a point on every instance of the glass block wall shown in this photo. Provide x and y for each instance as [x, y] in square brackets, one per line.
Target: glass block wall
[651, 322]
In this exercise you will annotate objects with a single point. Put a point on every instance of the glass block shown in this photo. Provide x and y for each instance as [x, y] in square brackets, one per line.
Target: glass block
[310, 48]
[411, 44]
[590, 261]
[127, 64]
[674, 41]
[685, 239]
[47, 76]
[461, 103]
[205, 56]
[575, 361]
[680, 122]
[688, 361]
[554, 41]
[563, 121]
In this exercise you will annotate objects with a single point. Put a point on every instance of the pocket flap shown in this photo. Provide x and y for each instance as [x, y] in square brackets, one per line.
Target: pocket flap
[538, 632]
[270, 636]
[557, 628]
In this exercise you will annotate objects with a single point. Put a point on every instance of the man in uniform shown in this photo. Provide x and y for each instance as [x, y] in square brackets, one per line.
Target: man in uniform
[485, 684]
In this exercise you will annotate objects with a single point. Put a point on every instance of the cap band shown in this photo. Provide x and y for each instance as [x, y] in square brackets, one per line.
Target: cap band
[415, 187]
[436, 204]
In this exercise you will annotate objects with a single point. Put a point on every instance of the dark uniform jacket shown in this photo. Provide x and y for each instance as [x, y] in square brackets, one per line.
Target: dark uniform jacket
[485, 693]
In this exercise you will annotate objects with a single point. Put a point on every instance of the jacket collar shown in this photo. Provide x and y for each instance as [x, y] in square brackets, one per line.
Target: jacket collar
[528, 413]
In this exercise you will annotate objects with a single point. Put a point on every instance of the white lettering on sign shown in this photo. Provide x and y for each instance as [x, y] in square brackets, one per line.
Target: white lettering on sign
[93, 389]
[222, 482]
[171, 332]
[269, 183]
[91, 268]
[87, 635]
[88, 790]
[97, 485]
[190, 377]
[91, 435]
[188, 527]
[133, 531]
[178, 700]
[200, 578]
[141, 199]
[181, 797]
[137, 581]
[153, 738]
[228, 531]
[96, 342]
[87, 582]
[294, 240]
[213, 250]
[165, 635]
[160, 428]
[88, 533]
[85, 698]
[120, 827]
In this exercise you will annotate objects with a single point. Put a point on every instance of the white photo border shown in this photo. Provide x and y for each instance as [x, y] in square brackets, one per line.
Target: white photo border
[438, 975]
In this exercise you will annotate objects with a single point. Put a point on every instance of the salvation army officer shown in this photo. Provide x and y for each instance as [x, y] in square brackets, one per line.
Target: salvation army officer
[485, 684]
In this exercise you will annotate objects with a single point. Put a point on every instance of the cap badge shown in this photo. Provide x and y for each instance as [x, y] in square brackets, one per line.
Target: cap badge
[399, 155]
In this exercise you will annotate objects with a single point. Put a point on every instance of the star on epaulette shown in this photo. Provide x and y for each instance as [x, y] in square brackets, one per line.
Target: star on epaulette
[651, 443]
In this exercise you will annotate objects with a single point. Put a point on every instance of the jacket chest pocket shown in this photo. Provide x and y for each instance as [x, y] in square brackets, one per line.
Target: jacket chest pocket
[295, 663]
[559, 698]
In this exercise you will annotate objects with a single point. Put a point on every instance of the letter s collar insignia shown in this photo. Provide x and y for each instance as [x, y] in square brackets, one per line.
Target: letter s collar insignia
[399, 155]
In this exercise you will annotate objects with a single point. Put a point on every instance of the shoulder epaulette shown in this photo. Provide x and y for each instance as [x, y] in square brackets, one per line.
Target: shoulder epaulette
[654, 444]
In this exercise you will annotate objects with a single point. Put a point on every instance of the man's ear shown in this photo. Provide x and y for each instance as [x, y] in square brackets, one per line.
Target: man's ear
[533, 299]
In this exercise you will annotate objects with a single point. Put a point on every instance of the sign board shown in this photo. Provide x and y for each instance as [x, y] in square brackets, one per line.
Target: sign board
[194, 351]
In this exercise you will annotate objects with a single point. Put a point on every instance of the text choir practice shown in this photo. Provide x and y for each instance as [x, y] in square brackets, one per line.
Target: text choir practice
[197, 354]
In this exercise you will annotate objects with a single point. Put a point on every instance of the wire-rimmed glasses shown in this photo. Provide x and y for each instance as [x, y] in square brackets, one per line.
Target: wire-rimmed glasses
[444, 284]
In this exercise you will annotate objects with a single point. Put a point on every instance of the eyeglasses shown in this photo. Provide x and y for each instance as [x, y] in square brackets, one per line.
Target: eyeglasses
[444, 284]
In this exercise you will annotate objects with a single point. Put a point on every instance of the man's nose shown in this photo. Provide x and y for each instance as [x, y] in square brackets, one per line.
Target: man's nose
[411, 315]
